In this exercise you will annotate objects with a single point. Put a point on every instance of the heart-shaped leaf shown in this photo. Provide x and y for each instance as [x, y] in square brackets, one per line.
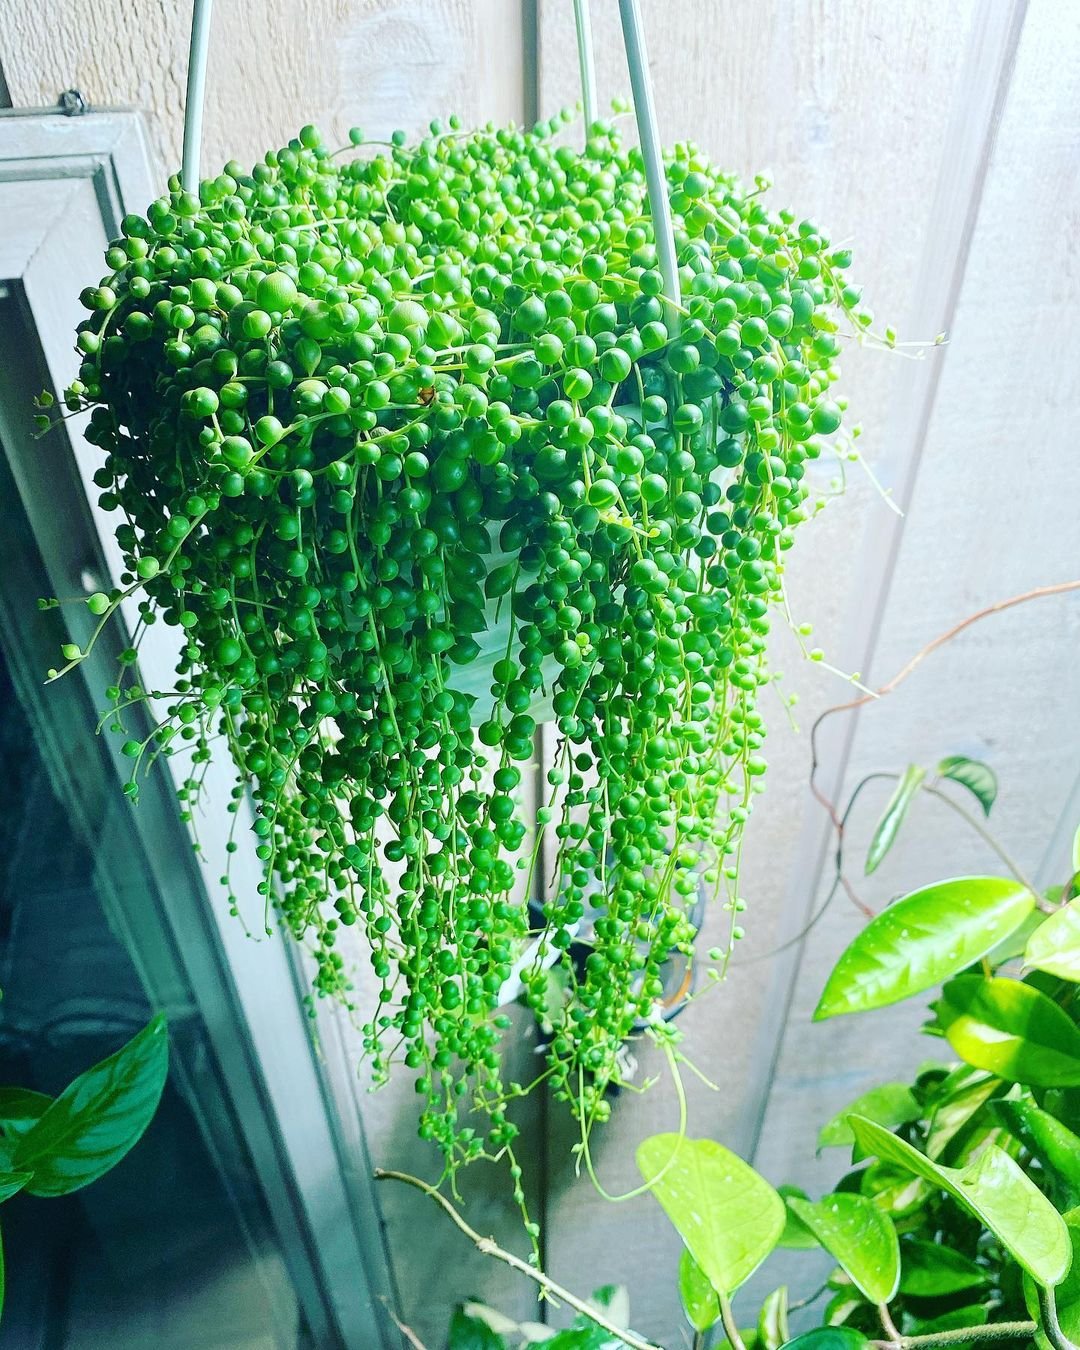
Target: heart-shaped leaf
[772, 1326]
[1044, 1136]
[996, 1190]
[893, 816]
[978, 778]
[699, 1300]
[933, 1270]
[20, 1108]
[1055, 944]
[729, 1217]
[854, 1231]
[98, 1117]
[890, 1104]
[921, 940]
[1011, 1030]
[1066, 1294]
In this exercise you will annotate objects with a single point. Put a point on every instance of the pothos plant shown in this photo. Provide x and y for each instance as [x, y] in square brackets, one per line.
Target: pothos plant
[412, 450]
[960, 1219]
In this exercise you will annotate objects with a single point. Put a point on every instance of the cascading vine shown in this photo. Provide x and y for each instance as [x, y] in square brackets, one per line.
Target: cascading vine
[355, 406]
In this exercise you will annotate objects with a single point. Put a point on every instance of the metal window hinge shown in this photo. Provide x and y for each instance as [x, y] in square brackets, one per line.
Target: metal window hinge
[72, 104]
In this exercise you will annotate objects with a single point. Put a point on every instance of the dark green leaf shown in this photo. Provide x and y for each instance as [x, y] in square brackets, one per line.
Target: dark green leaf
[1053, 1143]
[996, 1190]
[978, 778]
[829, 1338]
[976, 1315]
[1066, 1294]
[1009, 1029]
[855, 1232]
[699, 1300]
[729, 1217]
[796, 1235]
[1055, 945]
[98, 1117]
[3, 1276]
[890, 1105]
[772, 1327]
[590, 1337]
[893, 816]
[472, 1333]
[500, 579]
[20, 1107]
[932, 1270]
[922, 939]
[11, 1183]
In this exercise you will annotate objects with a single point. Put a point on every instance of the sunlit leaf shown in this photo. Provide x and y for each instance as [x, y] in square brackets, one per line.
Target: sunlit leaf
[893, 816]
[1066, 1294]
[854, 1231]
[20, 1108]
[796, 1235]
[729, 1217]
[932, 1270]
[772, 1327]
[996, 1190]
[699, 1300]
[1053, 1143]
[829, 1338]
[1055, 944]
[977, 777]
[890, 1104]
[955, 1103]
[98, 1117]
[1010, 1029]
[921, 940]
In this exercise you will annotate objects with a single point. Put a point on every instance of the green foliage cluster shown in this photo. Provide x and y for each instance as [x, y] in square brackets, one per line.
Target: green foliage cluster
[356, 411]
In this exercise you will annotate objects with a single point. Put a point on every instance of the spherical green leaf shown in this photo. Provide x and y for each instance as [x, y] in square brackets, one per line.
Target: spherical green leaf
[699, 1300]
[1055, 944]
[890, 1104]
[729, 1217]
[862, 1239]
[922, 939]
[996, 1190]
[1011, 1030]
[98, 1117]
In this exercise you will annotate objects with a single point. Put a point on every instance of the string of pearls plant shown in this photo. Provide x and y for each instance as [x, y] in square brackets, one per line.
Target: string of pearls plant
[358, 410]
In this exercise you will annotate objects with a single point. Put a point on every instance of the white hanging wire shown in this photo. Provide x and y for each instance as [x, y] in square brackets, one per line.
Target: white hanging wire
[655, 179]
[196, 89]
[586, 63]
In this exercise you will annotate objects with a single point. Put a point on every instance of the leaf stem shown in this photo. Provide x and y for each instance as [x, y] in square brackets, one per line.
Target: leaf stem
[1051, 1324]
[731, 1328]
[489, 1247]
[995, 1331]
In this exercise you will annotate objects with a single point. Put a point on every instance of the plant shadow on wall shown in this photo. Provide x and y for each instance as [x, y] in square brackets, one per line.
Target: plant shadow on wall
[414, 452]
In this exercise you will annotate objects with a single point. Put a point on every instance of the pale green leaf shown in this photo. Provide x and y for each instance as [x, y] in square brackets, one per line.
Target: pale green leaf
[932, 1270]
[1010, 1029]
[772, 1328]
[699, 1300]
[729, 1217]
[955, 1103]
[796, 1235]
[996, 1190]
[97, 1118]
[979, 778]
[893, 816]
[854, 1231]
[921, 940]
[1055, 944]
[890, 1104]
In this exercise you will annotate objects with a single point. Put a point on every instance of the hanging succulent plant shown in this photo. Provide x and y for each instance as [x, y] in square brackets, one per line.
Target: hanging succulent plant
[412, 450]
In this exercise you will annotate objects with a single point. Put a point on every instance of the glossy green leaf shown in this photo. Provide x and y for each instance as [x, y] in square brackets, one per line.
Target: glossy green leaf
[1055, 944]
[20, 1108]
[469, 1332]
[1044, 1136]
[11, 1183]
[1010, 1029]
[977, 777]
[98, 1117]
[829, 1338]
[772, 1328]
[1067, 1292]
[699, 1300]
[893, 816]
[854, 1231]
[796, 1235]
[996, 1190]
[890, 1104]
[921, 940]
[955, 1103]
[933, 1270]
[729, 1217]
